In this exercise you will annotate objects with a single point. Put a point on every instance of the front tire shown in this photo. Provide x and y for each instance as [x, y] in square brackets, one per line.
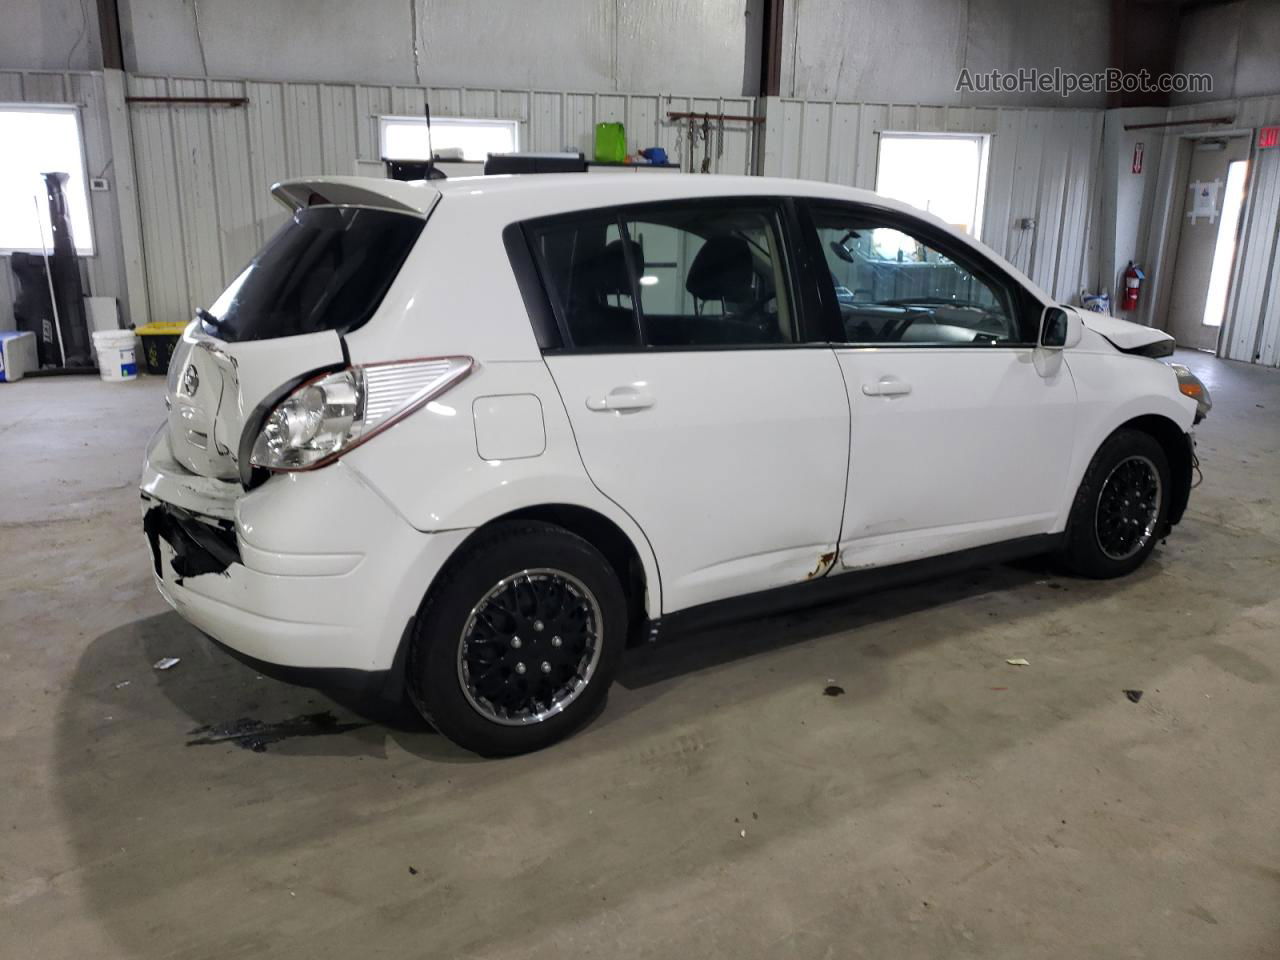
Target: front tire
[1121, 508]
[518, 641]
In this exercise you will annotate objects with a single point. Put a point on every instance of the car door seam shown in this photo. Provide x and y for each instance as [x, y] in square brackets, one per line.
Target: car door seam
[657, 567]
[848, 458]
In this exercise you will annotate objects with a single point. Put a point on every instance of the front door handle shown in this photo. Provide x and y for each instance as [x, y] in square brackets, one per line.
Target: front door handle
[886, 387]
[621, 398]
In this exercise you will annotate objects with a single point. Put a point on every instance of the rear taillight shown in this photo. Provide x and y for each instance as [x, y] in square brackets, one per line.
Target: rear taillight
[327, 416]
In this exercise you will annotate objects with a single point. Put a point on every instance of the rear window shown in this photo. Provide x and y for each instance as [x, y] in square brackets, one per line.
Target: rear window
[328, 268]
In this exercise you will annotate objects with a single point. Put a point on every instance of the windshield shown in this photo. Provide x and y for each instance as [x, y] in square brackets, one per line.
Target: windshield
[327, 268]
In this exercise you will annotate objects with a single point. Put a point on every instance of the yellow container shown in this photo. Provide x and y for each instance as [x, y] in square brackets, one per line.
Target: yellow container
[158, 343]
[160, 329]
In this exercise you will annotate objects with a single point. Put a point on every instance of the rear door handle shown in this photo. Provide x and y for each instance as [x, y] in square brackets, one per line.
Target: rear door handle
[621, 398]
[886, 387]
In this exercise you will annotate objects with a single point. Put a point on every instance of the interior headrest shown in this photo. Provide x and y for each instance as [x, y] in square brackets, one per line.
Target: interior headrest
[722, 270]
[606, 273]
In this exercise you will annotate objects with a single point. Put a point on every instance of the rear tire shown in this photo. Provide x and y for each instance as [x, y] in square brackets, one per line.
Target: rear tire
[1121, 508]
[519, 639]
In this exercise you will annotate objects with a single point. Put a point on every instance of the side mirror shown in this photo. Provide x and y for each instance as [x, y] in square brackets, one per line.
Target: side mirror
[1060, 328]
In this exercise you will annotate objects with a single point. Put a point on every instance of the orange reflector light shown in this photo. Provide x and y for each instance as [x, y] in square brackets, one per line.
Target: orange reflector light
[1191, 389]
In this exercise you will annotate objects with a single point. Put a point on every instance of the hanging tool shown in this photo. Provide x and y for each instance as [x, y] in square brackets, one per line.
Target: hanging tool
[704, 131]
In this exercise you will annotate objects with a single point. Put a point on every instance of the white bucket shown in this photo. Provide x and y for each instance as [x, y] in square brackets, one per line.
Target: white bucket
[117, 354]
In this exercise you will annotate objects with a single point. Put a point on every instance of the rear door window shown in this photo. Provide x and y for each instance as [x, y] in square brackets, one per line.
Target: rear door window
[672, 275]
[710, 275]
[584, 267]
[327, 268]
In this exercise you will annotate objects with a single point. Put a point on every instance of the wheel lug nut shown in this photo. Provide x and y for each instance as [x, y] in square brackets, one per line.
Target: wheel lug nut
[556, 641]
[520, 668]
[546, 667]
[538, 625]
[515, 643]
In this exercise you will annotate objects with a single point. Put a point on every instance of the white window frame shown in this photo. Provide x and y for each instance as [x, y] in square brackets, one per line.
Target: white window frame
[83, 249]
[984, 162]
[444, 123]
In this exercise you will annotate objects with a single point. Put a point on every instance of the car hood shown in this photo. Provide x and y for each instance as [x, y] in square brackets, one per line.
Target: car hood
[1128, 336]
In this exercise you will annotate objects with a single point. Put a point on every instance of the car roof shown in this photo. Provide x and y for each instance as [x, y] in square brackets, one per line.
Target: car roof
[565, 191]
[626, 187]
[499, 200]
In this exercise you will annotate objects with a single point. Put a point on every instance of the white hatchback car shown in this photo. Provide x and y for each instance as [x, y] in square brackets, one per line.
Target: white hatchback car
[464, 439]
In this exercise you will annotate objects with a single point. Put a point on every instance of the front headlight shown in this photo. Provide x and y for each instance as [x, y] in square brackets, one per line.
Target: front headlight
[1191, 386]
[330, 415]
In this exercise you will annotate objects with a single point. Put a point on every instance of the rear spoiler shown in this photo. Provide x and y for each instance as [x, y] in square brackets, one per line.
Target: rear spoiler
[417, 197]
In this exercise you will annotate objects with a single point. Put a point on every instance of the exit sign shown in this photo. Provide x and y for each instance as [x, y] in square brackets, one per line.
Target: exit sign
[1268, 137]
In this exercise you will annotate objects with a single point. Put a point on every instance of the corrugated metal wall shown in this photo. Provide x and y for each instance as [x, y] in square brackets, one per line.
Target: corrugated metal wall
[1251, 330]
[204, 173]
[102, 271]
[1043, 164]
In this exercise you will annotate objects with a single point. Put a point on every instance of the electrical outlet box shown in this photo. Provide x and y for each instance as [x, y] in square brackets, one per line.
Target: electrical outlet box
[1027, 223]
[99, 184]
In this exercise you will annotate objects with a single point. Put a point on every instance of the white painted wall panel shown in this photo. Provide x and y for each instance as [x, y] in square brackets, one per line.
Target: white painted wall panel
[914, 50]
[50, 35]
[615, 45]
[1043, 164]
[1235, 44]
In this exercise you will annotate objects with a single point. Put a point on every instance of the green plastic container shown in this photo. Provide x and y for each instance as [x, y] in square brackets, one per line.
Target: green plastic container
[611, 143]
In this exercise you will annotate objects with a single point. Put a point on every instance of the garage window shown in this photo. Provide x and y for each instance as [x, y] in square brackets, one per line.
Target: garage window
[943, 173]
[405, 138]
[38, 140]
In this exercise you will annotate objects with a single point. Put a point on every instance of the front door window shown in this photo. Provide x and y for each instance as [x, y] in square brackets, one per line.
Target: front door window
[892, 285]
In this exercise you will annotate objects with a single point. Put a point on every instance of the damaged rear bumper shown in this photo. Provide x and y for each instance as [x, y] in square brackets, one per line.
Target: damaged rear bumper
[199, 545]
[312, 570]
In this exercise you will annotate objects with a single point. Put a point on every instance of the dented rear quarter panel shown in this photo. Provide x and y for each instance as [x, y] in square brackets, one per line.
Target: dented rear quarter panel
[429, 468]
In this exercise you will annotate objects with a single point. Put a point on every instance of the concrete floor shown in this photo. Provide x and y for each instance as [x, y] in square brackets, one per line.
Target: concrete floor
[946, 805]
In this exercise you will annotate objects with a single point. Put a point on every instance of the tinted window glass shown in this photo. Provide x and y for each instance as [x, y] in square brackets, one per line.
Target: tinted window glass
[894, 287]
[585, 269]
[710, 275]
[327, 268]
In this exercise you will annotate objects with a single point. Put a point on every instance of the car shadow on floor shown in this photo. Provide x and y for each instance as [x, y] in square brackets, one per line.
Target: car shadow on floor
[225, 702]
[689, 651]
[1031, 588]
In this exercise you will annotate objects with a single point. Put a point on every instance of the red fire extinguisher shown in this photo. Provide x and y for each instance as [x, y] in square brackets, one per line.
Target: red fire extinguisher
[1133, 278]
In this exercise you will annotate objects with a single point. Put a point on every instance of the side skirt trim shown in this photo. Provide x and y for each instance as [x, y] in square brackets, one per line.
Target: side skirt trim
[855, 583]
